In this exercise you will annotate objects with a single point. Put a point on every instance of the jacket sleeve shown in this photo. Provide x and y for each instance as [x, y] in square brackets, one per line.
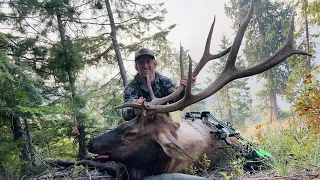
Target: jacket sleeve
[130, 93]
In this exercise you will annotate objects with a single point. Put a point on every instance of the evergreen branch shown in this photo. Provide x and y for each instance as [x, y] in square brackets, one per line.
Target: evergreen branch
[81, 22]
[18, 17]
[74, 31]
[34, 28]
[38, 32]
[102, 24]
[9, 54]
[106, 84]
[76, 7]
[95, 17]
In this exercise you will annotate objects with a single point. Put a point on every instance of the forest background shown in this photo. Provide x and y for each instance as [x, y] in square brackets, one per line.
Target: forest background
[64, 64]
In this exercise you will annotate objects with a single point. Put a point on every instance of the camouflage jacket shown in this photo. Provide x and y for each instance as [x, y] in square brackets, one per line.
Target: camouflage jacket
[162, 87]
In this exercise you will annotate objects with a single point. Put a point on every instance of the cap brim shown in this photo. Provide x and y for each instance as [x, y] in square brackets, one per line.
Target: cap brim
[144, 55]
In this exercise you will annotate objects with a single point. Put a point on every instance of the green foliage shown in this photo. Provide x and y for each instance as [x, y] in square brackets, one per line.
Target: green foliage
[299, 64]
[280, 145]
[8, 150]
[237, 168]
[16, 86]
[315, 12]
[235, 161]
[295, 78]
[307, 105]
[77, 170]
[292, 147]
[225, 176]
[60, 62]
[285, 115]
[42, 113]
[296, 146]
[203, 166]
[192, 170]
[39, 80]
[204, 163]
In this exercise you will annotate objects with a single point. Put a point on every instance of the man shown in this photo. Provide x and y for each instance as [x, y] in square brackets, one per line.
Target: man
[137, 91]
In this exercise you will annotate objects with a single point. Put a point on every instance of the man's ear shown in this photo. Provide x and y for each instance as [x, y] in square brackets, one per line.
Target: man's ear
[155, 63]
[172, 147]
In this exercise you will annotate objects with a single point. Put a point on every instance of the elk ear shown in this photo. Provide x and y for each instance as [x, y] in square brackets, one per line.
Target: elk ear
[172, 147]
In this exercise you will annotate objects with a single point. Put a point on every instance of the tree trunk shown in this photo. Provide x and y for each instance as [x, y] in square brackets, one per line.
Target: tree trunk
[116, 45]
[82, 152]
[30, 144]
[274, 108]
[272, 100]
[18, 133]
[308, 63]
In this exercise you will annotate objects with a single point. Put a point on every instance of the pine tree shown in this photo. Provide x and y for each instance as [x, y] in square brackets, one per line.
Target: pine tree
[268, 26]
[301, 66]
[59, 38]
[232, 99]
[17, 90]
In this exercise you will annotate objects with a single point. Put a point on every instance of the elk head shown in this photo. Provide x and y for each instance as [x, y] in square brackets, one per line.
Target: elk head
[151, 134]
[141, 141]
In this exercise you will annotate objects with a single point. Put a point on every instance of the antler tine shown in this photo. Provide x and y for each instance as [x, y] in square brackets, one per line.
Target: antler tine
[230, 72]
[177, 92]
[188, 94]
[181, 62]
[207, 56]
[284, 52]
[289, 40]
[230, 64]
[150, 88]
[143, 105]
[181, 103]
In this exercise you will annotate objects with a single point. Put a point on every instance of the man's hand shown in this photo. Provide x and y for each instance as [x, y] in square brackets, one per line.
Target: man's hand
[184, 81]
[138, 101]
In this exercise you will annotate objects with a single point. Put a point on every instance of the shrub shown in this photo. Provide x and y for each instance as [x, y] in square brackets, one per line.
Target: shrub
[308, 103]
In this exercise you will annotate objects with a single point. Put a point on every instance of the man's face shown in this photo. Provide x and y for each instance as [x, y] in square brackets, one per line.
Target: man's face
[146, 65]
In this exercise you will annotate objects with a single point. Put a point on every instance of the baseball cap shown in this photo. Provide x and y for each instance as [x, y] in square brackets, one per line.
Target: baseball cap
[144, 51]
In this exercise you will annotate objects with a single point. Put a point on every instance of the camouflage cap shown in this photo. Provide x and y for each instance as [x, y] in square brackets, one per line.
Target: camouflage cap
[144, 51]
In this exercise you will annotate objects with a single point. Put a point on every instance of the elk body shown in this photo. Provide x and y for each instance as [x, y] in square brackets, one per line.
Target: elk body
[152, 144]
[157, 145]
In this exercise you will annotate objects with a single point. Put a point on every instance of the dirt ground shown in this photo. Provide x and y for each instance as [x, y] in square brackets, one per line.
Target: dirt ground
[299, 174]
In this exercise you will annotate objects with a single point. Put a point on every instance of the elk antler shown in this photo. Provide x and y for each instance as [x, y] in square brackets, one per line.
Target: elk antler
[230, 72]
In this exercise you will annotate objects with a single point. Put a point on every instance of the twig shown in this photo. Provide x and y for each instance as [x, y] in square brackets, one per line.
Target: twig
[93, 177]
[87, 173]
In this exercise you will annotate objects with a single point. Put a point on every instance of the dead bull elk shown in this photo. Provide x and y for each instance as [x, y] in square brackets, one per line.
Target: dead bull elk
[152, 144]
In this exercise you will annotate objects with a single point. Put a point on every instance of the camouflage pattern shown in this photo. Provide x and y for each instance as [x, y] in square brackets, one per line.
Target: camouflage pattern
[162, 87]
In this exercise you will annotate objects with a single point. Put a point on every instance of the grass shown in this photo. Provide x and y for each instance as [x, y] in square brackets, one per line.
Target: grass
[291, 144]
